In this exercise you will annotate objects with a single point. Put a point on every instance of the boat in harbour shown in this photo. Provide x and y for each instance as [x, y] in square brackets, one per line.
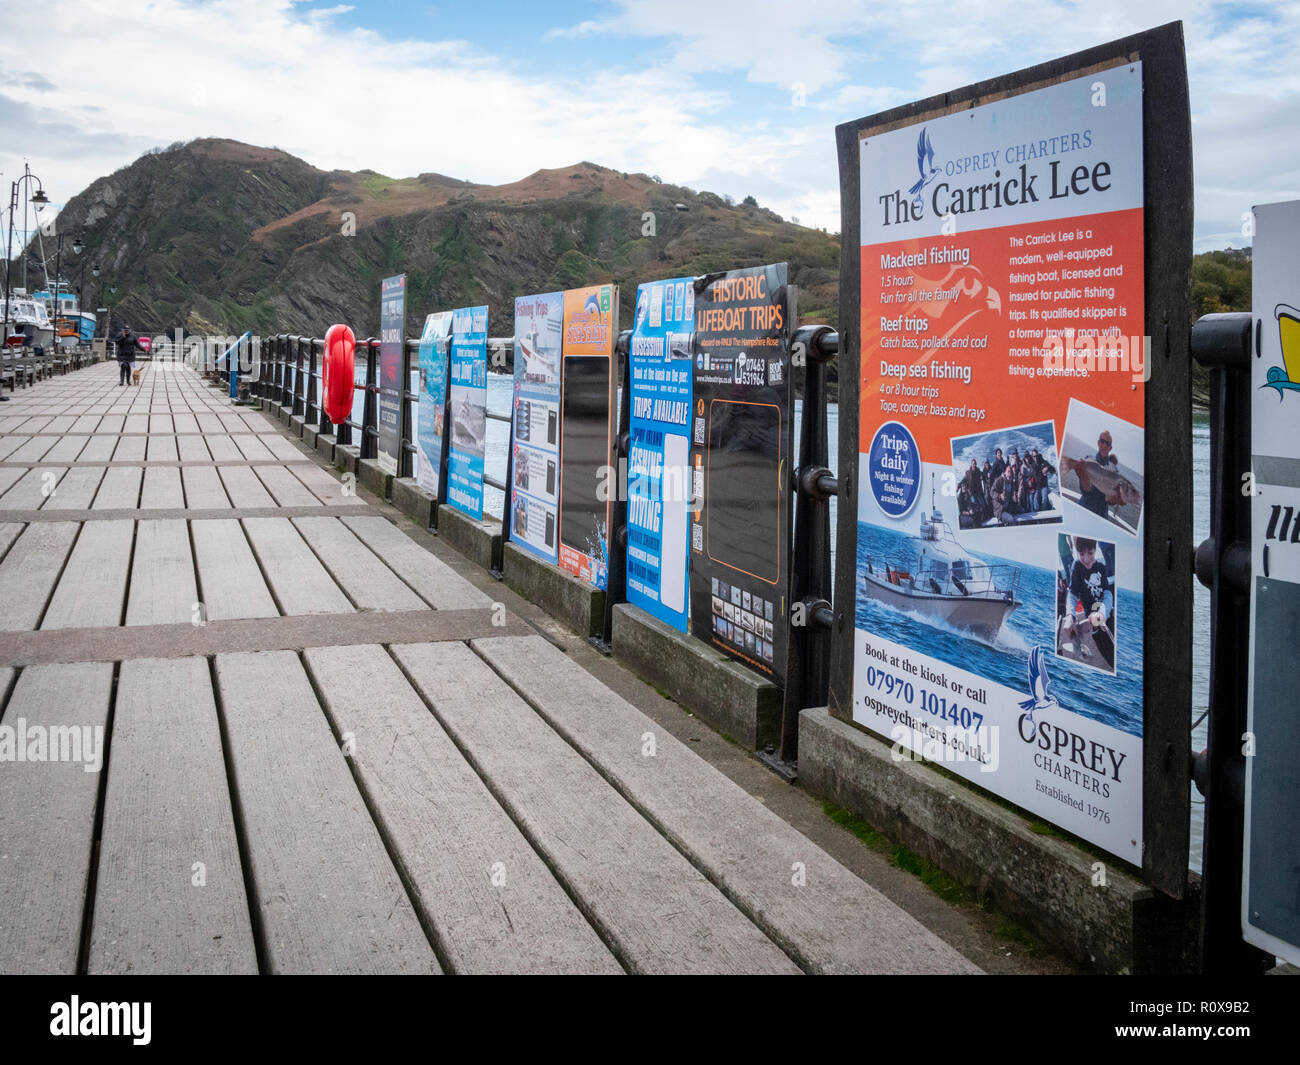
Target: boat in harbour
[943, 581]
[27, 321]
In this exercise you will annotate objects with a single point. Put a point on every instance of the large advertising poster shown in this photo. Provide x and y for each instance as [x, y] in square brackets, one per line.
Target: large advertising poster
[535, 434]
[468, 410]
[999, 611]
[658, 464]
[1270, 917]
[432, 390]
[392, 322]
[590, 329]
[740, 467]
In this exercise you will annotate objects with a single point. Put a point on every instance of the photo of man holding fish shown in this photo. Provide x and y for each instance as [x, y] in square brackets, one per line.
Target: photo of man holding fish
[1092, 474]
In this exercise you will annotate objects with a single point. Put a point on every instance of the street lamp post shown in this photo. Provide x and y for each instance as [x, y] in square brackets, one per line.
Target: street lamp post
[37, 197]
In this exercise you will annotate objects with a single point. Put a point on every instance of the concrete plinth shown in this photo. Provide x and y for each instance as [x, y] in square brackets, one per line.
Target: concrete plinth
[374, 477]
[575, 602]
[723, 694]
[413, 501]
[479, 541]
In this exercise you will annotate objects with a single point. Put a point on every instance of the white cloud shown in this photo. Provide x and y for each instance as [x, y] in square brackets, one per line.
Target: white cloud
[270, 73]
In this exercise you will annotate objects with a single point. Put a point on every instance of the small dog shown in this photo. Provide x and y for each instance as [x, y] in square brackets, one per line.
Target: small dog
[135, 377]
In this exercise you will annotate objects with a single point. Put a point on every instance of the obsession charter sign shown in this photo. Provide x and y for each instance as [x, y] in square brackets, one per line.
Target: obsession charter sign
[1000, 543]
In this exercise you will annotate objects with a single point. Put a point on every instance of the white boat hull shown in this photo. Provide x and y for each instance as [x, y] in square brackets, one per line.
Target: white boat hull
[982, 615]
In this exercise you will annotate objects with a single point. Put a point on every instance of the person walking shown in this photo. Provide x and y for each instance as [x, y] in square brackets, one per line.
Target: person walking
[127, 345]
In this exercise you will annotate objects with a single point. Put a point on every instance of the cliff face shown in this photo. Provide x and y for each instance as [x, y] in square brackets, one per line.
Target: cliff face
[218, 236]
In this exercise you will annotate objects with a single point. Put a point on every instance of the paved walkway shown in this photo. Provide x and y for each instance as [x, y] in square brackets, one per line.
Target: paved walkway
[250, 725]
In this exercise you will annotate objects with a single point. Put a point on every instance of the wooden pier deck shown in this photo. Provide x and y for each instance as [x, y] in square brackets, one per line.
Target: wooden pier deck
[253, 726]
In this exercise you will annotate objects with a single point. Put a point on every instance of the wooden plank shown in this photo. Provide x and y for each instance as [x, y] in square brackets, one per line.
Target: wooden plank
[120, 489]
[258, 423]
[163, 816]
[67, 449]
[252, 448]
[161, 423]
[86, 423]
[99, 449]
[656, 909]
[163, 590]
[185, 422]
[741, 844]
[436, 582]
[162, 489]
[49, 814]
[327, 895]
[76, 491]
[301, 584]
[243, 487]
[192, 449]
[10, 422]
[111, 423]
[223, 448]
[161, 449]
[283, 448]
[10, 444]
[34, 450]
[135, 423]
[203, 488]
[230, 582]
[447, 832]
[60, 425]
[231, 423]
[329, 490]
[9, 532]
[33, 424]
[210, 424]
[130, 449]
[287, 489]
[367, 581]
[33, 488]
[92, 589]
[9, 475]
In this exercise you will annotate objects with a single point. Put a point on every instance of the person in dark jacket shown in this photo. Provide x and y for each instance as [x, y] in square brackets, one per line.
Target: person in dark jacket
[127, 346]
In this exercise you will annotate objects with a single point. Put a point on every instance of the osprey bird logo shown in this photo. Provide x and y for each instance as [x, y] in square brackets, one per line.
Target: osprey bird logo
[924, 163]
[1040, 688]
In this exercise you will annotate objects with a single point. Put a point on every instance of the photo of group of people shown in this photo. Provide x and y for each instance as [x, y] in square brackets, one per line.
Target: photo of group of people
[1007, 477]
[1085, 602]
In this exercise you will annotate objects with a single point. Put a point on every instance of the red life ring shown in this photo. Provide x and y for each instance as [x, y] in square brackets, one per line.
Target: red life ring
[338, 373]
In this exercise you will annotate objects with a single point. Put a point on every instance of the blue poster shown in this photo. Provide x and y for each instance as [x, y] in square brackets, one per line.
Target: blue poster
[468, 410]
[432, 390]
[535, 429]
[658, 466]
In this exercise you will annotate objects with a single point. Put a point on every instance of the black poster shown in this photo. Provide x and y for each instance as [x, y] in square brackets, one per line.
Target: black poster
[740, 460]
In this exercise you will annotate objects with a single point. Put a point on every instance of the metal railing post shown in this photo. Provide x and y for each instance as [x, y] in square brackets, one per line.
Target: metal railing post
[326, 426]
[309, 407]
[370, 409]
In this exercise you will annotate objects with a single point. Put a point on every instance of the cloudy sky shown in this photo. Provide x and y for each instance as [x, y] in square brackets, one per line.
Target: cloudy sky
[737, 98]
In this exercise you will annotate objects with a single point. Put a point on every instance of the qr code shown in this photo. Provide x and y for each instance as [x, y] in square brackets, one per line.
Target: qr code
[697, 537]
[699, 431]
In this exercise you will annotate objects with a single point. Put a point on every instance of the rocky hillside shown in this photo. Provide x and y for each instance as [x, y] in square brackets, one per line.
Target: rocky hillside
[218, 236]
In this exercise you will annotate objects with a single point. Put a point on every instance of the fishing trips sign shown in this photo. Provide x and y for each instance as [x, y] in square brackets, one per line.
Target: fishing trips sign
[392, 321]
[999, 579]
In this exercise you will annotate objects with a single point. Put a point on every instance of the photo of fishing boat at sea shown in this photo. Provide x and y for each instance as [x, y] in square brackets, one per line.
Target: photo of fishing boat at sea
[1003, 656]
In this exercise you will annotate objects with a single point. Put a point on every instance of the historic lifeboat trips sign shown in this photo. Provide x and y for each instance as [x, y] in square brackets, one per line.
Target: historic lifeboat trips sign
[999, 584]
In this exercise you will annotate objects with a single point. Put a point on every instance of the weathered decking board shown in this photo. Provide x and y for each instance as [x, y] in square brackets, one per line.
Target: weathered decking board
[98, 449]
[230, 582]
[33, 450]
[67, 449]
[327, 489]
[86, 423]
[300, 583]
[436, 582]
[366, 580]
[120, 488]
[130, 449]
[9, 475]
[161, 449]
[10, 444]
[492, 903]
[327, 895]
[192, 449]
[33, 488]
[29, 572]
[282, 448]
[222, 447]
[203, 488]
[77, 489]
[163, 590]
[285, 487]
[169, 896]
[243, 487]
[251, 447]
[184, 422]
[656, 909]
[92, 589]
[740, 843]
[162, 489]
[48, 819]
